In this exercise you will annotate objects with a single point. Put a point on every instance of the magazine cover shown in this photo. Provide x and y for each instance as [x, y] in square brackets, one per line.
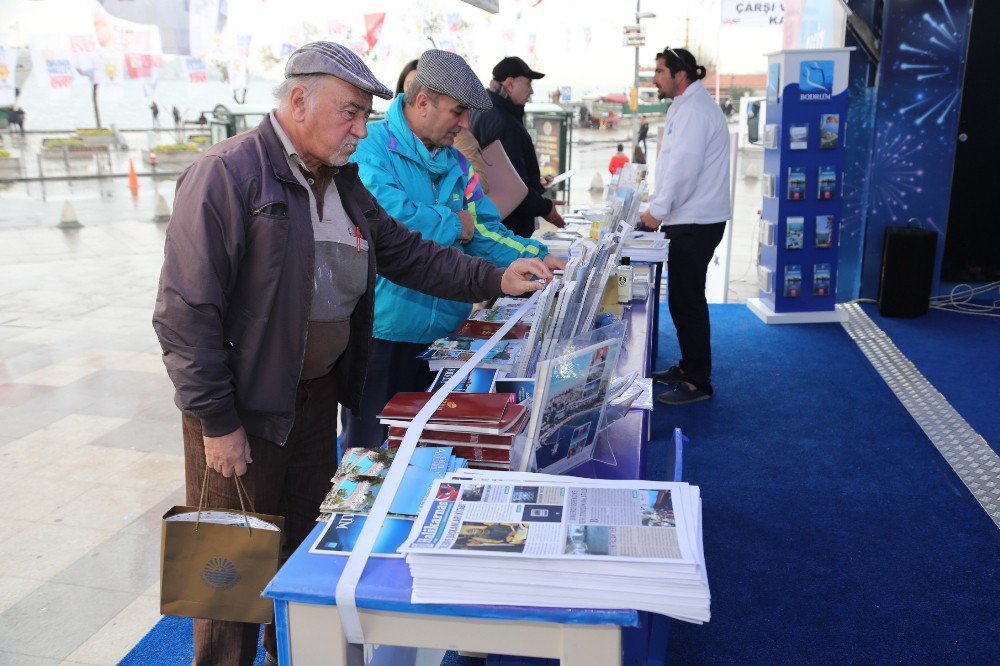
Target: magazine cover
[793, 281]
[798, 137]
[480, 380]
[821, 280]
[794, 232]
[522, 388]
[342, 530]
[824, 231]
[829, 131]
[570, 398]
[796, 183]
[774, 82]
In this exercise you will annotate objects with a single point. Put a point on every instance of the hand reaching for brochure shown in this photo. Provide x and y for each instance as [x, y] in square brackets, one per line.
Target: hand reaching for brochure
[554, 217]
[517, 278]
[649, 222]
[553, 262]
[229, 453]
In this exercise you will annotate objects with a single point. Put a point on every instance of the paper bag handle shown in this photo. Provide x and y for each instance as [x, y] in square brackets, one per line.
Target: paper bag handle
[240, 492]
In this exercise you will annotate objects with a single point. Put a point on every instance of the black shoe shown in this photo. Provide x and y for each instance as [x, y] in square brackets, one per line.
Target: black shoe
[672, 375]
[682, 395]
[270, 659]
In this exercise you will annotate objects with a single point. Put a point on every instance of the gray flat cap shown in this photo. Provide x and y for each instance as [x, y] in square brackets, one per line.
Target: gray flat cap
[449, 74]
[335, 60]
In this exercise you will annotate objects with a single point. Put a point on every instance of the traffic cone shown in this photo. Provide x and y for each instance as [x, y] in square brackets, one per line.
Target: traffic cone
[162, 213]
[133, 180]
[68, 218]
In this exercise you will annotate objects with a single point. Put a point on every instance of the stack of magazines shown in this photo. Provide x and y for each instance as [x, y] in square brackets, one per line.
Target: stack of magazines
[519, 539]
[356, 485]
[478, 426]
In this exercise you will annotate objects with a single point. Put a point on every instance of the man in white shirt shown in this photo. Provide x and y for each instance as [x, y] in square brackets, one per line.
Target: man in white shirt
[691, 204]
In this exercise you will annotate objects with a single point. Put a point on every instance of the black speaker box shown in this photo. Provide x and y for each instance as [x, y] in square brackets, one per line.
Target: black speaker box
[904, 288]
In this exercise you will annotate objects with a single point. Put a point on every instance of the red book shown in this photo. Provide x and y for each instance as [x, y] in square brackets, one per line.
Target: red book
[491, 413]
[445, 438]
[485, 329]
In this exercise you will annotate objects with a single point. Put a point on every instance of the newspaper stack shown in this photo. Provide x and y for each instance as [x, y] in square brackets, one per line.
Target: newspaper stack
[519, 539]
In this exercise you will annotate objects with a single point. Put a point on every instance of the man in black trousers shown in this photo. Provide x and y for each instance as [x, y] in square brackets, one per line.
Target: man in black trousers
[691, 204]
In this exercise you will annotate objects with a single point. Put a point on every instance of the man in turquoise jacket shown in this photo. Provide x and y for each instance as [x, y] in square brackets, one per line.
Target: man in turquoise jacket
[409, 164]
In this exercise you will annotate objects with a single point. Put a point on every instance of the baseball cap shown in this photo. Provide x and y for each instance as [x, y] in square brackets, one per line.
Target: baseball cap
[514, 66]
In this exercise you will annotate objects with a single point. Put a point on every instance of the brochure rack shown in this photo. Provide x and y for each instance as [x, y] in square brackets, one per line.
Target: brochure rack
[802, 185]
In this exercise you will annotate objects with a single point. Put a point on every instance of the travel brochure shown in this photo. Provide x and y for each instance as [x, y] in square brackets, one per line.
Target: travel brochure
[356, 484]
[824, 231]
[829, 131]
[794, 232]
[570, 397]
[512, 538]
[798, 137]
[793, 281]
[796, 183]
[821, 280]
[827, 187]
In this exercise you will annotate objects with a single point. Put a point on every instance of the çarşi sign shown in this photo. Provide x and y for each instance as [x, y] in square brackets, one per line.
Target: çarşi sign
[745, 14]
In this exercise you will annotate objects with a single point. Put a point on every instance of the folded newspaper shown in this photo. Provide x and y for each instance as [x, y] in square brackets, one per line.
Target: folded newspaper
[521, 539]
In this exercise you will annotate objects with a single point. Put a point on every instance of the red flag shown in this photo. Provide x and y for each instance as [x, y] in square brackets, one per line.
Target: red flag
[373, 28]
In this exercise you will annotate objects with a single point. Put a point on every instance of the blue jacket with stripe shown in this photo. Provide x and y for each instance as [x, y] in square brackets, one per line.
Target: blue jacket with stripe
[425, 192]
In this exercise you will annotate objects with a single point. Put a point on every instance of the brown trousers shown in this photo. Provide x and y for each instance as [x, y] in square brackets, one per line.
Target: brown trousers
[289, 481]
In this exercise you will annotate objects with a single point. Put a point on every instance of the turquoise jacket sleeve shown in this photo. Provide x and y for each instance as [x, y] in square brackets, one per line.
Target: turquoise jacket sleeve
[492, 240]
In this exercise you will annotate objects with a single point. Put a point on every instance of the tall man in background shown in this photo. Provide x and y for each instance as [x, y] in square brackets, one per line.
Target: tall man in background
[690, 203]
[509, 91]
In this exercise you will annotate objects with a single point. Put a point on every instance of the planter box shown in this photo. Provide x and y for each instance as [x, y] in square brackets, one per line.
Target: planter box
[10, 167]
[171, 161]
[74, 152]
[92, 140]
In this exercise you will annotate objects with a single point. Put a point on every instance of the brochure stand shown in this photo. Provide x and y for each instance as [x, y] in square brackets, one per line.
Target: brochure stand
[802, 186]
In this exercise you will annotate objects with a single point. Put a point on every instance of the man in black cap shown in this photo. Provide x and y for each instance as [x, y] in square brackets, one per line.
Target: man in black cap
[509, 91]
[265, 298]
[408, 163]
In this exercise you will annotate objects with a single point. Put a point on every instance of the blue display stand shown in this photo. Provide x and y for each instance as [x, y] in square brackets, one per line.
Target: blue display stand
[802, 185]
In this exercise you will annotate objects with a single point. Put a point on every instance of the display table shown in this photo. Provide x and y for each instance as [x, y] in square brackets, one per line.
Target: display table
[308, 622]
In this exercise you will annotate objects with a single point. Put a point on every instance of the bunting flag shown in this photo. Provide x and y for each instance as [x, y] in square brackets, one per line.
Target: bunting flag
[196, 70]
[52, 62]
[373, 28]
[8, 69]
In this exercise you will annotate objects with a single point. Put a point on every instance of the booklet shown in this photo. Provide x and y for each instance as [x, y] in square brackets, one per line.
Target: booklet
[829, 131]
[793, 280]
[798, 137]
[480, 380]
[827, 182]
[824, 230]
[796, 183]
[794, 232]
[571, 394]
[342, 530]
[821, 280]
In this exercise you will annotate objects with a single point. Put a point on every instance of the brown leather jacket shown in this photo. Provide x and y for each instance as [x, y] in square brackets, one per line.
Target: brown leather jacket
[237, 280]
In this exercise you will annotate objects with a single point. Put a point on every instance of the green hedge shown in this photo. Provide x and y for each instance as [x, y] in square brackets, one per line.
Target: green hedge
[95, 131]
[176, 148]
[59, 143]
[4, 153]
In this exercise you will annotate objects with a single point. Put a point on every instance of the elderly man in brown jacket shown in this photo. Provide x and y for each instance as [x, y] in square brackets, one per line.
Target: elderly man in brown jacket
[264, 308]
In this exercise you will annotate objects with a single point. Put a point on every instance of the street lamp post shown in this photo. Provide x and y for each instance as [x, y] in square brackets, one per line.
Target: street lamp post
[639, 15]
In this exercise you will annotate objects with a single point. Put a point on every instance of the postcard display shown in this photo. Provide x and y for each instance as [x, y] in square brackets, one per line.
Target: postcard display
[802, 185]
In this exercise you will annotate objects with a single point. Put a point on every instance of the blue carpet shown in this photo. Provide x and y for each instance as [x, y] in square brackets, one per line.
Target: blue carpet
[169, 643]
[834, 531]
[960, 355]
